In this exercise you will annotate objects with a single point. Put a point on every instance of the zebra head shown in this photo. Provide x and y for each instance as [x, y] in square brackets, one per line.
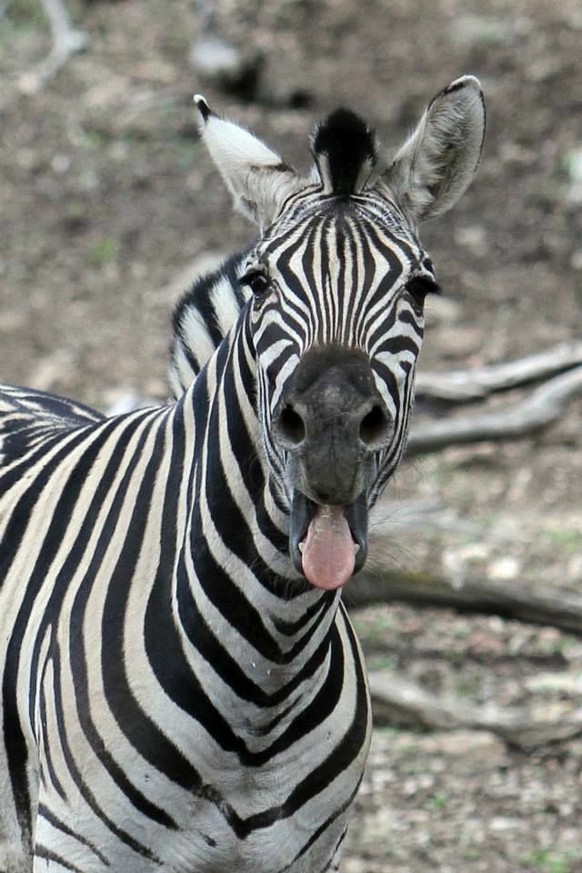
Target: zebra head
[338, 280]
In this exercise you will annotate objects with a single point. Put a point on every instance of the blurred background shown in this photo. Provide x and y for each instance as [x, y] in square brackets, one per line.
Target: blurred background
[107, 205]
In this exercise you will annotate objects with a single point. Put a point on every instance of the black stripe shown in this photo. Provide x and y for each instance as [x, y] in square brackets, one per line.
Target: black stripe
[58, 824]
[41, 852]
[48, 754]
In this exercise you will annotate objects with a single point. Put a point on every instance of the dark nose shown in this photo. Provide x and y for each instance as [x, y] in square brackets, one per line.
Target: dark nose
[331, 419]
[368, 420]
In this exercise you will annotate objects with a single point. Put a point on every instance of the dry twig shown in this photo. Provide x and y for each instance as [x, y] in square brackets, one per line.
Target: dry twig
[533, 604]
[476, 384]
[66, 42]
[399, 701]
[544, 406]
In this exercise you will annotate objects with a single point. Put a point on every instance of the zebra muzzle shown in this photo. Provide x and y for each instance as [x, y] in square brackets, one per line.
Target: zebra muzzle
[328, 543]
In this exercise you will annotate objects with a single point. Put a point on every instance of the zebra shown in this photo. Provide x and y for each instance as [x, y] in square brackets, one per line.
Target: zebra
[182, 689]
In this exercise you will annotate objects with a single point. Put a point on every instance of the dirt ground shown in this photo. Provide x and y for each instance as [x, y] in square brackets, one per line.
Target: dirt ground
[107, 200]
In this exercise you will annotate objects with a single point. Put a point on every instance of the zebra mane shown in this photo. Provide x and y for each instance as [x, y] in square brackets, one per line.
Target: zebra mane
[345, 152]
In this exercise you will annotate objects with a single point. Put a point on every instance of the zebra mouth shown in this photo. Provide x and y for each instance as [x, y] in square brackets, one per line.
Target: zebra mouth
[328, 543]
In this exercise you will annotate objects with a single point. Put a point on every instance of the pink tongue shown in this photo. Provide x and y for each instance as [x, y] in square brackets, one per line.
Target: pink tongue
[328, 549]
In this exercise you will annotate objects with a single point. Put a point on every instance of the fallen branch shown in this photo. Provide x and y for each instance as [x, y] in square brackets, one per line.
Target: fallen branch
[66, 41]
[544, 406]
[560, 609]
[397, 701]
[476, 384]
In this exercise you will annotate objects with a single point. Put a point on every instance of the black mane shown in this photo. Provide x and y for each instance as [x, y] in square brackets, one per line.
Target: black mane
[343, 146]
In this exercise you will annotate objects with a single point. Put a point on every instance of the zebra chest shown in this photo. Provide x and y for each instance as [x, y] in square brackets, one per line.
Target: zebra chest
[187, 776]
[280, 804]
[285, 814]
[286, 846]
[269, 833]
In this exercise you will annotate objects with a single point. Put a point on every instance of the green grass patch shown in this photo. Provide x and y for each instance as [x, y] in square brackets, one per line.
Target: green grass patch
[550, 861]
[26, 15]
[569, 540]
[437, 801]
[104, 252]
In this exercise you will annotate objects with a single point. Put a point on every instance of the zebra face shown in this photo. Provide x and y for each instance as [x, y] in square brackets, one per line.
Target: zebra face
[338, 279]
[338, 288]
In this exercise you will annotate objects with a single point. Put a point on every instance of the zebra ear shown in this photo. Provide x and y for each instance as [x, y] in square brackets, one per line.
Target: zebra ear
[257, 178]
[437, 162]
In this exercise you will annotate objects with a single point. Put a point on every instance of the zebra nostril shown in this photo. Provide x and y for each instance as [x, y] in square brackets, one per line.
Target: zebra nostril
[290, 426]
[375, 426]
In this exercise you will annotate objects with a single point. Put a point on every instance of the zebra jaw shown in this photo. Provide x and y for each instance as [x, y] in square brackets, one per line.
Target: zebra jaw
[328, 543]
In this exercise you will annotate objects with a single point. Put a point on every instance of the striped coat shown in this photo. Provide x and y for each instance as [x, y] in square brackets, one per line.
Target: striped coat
[181, 687]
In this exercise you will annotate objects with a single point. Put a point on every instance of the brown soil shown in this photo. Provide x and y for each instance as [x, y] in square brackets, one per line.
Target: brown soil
[107, 199]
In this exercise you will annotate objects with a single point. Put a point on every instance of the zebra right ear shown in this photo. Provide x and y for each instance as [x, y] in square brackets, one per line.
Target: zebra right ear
[437, 162]
[256, 176]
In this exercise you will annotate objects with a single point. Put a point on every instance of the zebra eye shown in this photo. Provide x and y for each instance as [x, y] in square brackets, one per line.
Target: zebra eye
[257, 279]
[419, 286]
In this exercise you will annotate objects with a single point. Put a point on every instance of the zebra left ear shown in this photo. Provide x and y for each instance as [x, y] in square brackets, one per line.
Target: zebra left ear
[256, 176]
[438, 161]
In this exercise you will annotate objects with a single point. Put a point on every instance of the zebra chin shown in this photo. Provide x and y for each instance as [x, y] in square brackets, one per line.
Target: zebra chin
[328, 543]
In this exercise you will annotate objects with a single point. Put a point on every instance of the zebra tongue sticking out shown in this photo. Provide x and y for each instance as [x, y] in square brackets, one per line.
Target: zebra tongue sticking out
[328, 551]
[328, 543]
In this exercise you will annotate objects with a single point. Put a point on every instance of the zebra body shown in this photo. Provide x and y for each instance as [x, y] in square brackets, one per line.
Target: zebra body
[205, 802]
[181, 687]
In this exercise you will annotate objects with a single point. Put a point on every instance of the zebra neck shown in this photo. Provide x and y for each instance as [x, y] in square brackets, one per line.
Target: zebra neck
[235, 507]
[234, 581]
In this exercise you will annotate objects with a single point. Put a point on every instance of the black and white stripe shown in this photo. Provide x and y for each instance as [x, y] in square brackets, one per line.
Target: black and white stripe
[176, 696]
